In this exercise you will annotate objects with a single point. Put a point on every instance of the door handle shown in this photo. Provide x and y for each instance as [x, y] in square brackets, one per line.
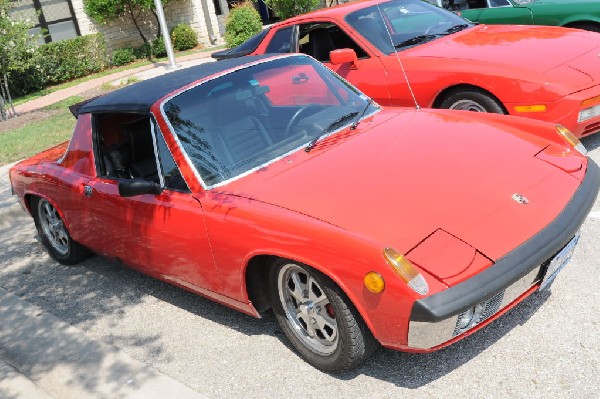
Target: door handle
[87, 191]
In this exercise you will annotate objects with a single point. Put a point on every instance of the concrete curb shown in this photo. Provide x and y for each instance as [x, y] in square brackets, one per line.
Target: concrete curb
[54, 358]
[15, 385]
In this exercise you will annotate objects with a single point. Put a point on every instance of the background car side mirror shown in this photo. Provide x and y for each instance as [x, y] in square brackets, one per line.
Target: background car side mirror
[344, 56]
[133, 187]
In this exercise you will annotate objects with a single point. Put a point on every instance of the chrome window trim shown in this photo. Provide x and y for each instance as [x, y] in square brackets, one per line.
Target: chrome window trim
[156, 153]
[269, 162]
[153, 123]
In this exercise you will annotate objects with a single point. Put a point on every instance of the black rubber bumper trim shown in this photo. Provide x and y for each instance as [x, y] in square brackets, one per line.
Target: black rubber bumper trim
[516, 263]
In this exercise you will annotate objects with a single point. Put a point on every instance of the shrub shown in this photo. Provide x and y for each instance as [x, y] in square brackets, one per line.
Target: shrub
[285, 9]
[183, 37]
[59, 62]
[242, 23]
[24, 82]
[123, 56]
[72, 58]
[158, 47]
[142, 52]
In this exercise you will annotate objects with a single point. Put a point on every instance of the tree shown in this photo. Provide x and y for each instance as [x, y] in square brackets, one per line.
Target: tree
[290, 8]
[105, 11]
[16, 48]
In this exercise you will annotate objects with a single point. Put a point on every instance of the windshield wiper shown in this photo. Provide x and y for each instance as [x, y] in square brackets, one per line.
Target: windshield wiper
[333, 124]
[357, 121]
[456, 28]
[415, 40]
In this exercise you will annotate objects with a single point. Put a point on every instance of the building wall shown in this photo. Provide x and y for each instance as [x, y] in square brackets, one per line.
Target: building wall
[123, 33]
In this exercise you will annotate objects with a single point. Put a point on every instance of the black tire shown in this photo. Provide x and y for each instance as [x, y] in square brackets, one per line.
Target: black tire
[591, 26]
[472, 100]
[54, 235]
[354, 342]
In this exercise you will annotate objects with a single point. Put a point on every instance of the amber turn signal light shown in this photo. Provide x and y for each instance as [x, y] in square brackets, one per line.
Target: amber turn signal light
[374, 282]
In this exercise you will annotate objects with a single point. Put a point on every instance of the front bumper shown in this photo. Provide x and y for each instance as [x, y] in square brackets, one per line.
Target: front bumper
[566, 112]
[433, 320]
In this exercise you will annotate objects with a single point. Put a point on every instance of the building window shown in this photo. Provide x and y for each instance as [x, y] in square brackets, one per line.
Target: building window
[55, 18]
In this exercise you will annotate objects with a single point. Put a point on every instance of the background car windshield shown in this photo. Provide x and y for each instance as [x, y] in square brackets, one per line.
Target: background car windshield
[403, 23]
[248, 118]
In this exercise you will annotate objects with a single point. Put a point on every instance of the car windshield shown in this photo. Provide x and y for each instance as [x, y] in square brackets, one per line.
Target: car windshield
[251, 117]
[401, 24]
[524, 2]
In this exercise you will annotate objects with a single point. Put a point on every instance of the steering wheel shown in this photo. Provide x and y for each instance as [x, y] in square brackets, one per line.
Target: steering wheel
[296, 116]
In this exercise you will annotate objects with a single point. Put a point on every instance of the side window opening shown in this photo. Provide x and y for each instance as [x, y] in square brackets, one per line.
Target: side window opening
[319, 39]
[281, 41]
[125, 147]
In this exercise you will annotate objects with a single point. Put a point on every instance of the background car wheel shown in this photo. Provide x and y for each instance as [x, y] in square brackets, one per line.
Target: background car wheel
[472, 100]
[591, 26]
[318, 318]
[54, 234]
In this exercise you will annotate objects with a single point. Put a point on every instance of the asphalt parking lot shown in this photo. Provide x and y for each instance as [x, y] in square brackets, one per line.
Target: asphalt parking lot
[548, 346]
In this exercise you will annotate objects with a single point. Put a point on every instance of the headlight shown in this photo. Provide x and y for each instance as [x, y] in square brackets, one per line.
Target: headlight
[592, 109]
[406, 271]
[570, 138]
[586, 114]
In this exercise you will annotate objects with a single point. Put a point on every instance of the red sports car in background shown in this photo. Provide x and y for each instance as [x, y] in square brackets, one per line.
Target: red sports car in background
[269, 182]
[546, 73]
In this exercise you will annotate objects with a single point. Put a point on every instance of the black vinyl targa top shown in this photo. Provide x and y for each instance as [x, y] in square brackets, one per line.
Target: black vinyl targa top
[139, 97]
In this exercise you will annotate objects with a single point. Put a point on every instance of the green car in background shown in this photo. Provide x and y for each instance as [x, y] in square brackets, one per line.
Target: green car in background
[582, 14]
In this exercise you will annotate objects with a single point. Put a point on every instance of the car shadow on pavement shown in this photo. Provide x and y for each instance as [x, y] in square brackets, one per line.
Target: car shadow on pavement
[591, 142]
[100, 289]
[413, 370]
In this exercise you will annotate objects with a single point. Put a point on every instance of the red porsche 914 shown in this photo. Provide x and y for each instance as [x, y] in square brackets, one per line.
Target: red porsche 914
[541, 72]
[270, 182]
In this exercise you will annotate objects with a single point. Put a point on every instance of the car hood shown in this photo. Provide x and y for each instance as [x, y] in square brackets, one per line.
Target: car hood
[523, 48]
[422, 172]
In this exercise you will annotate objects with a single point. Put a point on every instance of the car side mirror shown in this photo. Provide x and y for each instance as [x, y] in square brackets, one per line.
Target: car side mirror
[344, 56]
[133, 187]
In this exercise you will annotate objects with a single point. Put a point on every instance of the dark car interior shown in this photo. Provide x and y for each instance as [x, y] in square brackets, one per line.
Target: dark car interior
[318, 40]
[125, 147]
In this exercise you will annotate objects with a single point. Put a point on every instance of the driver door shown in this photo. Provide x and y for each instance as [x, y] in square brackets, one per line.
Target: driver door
[159, 234]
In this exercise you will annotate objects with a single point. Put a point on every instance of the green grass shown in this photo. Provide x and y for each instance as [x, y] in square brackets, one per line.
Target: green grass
[110, 71]
[35, 137]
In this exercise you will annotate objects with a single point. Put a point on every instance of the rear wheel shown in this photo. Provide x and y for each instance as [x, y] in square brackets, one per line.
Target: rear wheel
[472, 100]
[318, 319]
[54, 235]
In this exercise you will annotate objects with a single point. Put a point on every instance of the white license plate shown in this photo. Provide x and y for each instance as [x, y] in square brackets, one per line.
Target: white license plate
[559, 262]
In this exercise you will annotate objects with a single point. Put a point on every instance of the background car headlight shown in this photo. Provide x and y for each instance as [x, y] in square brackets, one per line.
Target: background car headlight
[570, 138]
[586, 114]
[592, 109]
[406, 271]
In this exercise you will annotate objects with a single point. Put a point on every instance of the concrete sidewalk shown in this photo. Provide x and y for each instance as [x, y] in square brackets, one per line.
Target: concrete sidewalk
[141, 73]
[43, 357]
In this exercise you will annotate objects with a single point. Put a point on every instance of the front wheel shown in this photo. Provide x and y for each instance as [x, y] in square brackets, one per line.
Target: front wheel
[318, 319]
[472, 100]
[54, 235]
